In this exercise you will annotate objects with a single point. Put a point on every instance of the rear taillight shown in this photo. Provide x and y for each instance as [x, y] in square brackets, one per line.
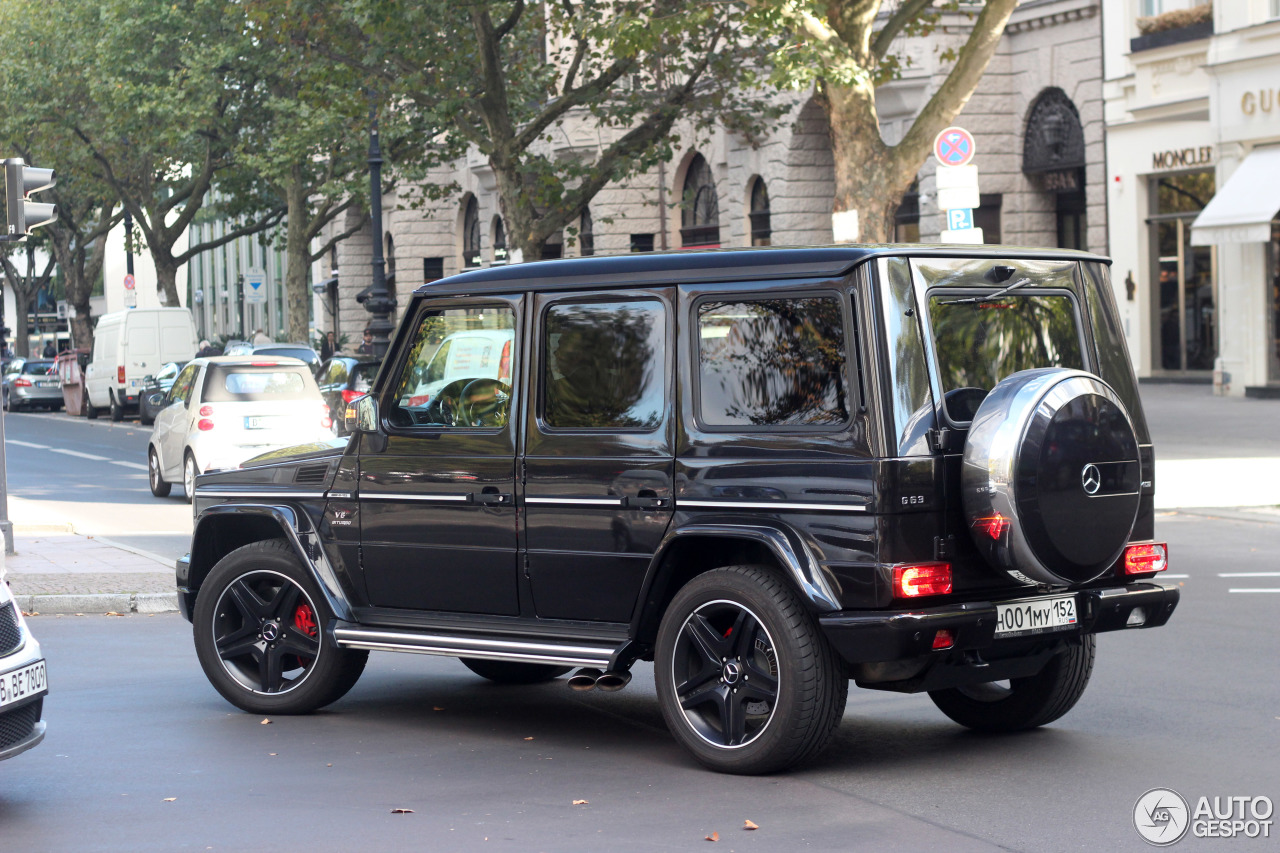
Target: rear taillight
[120, 374]
[22, 383]
[944, 639]
[993, 525]
[1146, 559]
[915, 580]
[504, 364]
[205, 425]
[326, 421]
[206, 411]
[349, 395]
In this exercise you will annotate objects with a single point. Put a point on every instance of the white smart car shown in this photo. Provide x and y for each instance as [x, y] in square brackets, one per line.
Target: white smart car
[224, 410]
[22, 680]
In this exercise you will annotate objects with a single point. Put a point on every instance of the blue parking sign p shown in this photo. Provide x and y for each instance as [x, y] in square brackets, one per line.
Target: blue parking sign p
[960, 219]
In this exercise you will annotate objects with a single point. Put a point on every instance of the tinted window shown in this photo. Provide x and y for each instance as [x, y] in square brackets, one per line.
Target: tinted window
[240, 384]
[37, 368]
[980, 343]
[181, 388]
[603, 365]
[336, 373]
[777, 362]
[459, 370]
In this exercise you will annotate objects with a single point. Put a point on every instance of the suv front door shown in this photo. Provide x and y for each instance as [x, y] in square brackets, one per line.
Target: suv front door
[437, 500]
[598, 451]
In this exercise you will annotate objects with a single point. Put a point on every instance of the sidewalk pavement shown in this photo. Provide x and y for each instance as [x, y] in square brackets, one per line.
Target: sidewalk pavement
[1213, 454]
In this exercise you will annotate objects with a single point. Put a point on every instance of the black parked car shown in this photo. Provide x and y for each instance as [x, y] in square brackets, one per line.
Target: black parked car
[342, 379]
[160, 383]
[768, 471]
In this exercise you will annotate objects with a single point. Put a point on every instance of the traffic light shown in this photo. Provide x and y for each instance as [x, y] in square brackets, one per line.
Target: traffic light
[20, 181]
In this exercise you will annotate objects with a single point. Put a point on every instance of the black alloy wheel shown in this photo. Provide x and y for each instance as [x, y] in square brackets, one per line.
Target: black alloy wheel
[259, 633]
[155, 477]
[746, 681]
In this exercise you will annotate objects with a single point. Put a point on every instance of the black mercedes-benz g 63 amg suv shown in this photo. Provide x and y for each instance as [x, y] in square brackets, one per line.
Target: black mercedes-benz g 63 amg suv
[767, 471]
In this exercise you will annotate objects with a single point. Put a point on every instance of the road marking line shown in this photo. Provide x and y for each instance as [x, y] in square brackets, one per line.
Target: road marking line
[137, 465]
[78, 454]
[1254, 590]
[1249, 574]
[15, 441]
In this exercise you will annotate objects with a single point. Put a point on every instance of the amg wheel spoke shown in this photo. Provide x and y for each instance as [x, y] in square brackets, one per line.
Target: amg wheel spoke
[298, 643]
[283, 603]
[251, 605]
[733, 719]
[710, 693]
[237, 643]
[707, 673]
[761, 684]
[271, 669]
[706, 639]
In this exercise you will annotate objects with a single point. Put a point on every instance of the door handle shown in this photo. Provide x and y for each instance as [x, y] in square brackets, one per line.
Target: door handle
[646, 499]
[490, 496]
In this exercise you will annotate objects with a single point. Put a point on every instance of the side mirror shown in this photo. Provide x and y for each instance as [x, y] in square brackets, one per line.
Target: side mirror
[156, 400]
[361, 415]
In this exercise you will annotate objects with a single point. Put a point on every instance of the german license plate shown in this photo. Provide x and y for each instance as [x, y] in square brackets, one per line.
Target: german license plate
[46, 383]
[261, 422]
[22, 683]
[1035, 616]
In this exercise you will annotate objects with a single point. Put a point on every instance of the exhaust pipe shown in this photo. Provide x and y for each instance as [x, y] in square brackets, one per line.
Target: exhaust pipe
[584, 679]
[612, 681]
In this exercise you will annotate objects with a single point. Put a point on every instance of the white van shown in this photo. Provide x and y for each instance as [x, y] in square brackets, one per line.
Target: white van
[130, 345]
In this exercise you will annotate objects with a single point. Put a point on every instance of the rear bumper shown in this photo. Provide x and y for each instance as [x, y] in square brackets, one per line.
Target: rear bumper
[875, 636]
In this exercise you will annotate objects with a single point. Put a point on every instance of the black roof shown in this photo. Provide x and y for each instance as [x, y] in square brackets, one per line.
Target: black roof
[687, 267]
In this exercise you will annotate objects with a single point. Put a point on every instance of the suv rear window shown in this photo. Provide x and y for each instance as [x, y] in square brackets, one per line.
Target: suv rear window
[239, 384]
[772, 363]
[979, 343]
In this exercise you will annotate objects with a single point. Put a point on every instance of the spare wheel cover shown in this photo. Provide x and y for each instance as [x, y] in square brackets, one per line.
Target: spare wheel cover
[1052, 458]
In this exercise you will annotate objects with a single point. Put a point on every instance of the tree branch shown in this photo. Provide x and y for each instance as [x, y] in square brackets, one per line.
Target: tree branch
[905, 14]
[268, 220]
[510, 23]
[338, 238]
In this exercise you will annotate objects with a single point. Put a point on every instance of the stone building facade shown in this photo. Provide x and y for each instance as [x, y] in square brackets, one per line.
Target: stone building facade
[1041, 95]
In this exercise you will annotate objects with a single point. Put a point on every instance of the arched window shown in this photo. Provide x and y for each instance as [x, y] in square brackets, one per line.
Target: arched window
[761, 227]
[471, 234]
[586, 234]
[500, 255]
[1053, 154]
[700, 220]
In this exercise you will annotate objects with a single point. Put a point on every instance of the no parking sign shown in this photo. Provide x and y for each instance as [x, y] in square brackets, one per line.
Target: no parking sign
[954, 146]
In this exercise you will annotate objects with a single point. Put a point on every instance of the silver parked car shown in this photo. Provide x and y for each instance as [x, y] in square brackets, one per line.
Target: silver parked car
[226, 409]
[31, 383]
[23, 684]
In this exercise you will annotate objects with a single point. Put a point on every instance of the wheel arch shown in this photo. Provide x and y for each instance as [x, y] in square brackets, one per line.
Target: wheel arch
[222, 529]
[693, 549]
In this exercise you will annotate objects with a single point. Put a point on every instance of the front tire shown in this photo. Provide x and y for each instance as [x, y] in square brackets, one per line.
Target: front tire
[155, 476]
[1025, 703]
[89, 409]
[510, 672]
[259, 627]
[746, 681]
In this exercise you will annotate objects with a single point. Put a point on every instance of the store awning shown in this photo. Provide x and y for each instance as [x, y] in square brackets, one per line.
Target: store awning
[1241, 212]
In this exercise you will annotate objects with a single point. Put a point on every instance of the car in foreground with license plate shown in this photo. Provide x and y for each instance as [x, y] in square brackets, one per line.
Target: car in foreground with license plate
[223, 410]
[771, 472]
[23, 680]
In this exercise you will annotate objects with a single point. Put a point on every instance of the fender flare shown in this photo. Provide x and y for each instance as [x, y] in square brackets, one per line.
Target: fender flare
[296, 530]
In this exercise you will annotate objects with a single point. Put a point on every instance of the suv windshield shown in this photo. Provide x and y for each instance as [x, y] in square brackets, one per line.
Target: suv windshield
[978, 342]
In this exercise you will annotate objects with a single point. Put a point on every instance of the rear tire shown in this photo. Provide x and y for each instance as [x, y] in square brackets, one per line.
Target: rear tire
[155, 476]
[509, 672]
[1027, 702]
[262, 589]
[746, 680]
[117, 410]
[144, 414]
[189, 472]
[89, 409]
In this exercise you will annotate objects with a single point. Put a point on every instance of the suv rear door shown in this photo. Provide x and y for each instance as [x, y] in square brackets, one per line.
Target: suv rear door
[599, 457]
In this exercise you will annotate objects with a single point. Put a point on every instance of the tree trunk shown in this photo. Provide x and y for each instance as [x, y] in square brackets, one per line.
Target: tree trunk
[21, 326]
[166, 279]
[297, 290]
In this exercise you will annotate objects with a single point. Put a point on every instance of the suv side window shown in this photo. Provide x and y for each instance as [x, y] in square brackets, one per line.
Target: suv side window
[772, 363]
[458, 372]
[604, 365]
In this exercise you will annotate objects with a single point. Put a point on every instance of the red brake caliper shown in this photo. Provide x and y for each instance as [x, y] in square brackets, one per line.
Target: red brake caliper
[304, 619]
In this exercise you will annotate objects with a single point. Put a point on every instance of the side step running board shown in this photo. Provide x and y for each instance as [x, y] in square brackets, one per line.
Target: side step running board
[472, 646]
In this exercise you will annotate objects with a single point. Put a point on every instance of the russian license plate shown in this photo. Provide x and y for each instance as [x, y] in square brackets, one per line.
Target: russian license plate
[22, 683]
[1035, 616]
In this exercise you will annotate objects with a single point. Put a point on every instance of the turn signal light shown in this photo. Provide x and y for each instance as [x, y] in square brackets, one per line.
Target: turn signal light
[914, 580]
[1145, 559]
[993, 525]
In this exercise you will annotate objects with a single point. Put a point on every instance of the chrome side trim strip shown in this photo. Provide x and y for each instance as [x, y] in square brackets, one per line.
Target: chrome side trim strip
[777, 505]
[211, 493]
[576, 501]
[402, 496]
[477, 647]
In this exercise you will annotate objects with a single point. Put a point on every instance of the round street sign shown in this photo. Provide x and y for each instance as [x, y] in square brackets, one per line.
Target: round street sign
[954, 147]
[129, 281]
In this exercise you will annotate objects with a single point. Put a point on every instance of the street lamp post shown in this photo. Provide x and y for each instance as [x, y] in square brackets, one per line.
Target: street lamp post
[379, 303]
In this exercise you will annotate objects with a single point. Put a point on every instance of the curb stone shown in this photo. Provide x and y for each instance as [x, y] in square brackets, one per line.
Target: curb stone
[143, 602]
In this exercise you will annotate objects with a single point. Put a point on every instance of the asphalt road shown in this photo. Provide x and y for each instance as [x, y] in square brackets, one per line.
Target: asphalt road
[93, 474]
[1194, 706]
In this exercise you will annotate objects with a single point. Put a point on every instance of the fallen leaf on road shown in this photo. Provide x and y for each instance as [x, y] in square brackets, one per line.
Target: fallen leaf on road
[402, 811]
[273, 753]
[437, 708]
[528, 738]
[581, 803]
[30, 613]
[328, 765]
[112, 613]
[750, 825]
[715, 836]
[170, 799]
[265, 722]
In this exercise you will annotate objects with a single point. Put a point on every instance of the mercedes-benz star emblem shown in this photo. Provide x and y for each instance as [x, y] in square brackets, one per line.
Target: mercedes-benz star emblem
[1091, 479]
